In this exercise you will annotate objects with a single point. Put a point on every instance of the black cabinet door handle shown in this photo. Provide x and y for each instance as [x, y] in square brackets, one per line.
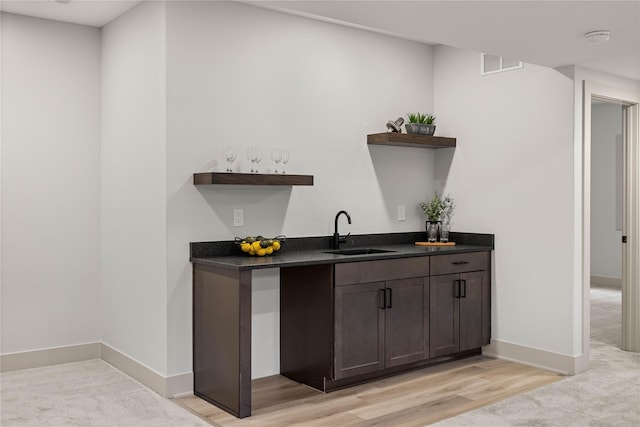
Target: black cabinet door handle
[389, 303]
[382, 299]
[456, 288]
[463, 294]
[460, 262]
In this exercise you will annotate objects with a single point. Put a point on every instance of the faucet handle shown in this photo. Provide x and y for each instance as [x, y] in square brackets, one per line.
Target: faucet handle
[343, 239]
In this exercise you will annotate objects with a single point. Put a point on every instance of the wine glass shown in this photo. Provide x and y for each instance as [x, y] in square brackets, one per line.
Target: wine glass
[258, 156]
[276, 156]
[229, 155]
[285, 157]
[251, 156]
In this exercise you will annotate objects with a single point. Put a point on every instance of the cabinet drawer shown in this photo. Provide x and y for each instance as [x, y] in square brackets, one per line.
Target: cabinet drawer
[381, 270]
[459, 263]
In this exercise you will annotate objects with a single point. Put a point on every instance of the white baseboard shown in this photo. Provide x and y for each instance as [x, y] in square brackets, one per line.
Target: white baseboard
[607, 282]
[49, 356]
[543, 359]
[164, 386]
[172, 386]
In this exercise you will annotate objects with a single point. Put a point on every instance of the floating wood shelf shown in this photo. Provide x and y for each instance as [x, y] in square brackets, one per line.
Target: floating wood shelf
[410, 140]
[207, 178]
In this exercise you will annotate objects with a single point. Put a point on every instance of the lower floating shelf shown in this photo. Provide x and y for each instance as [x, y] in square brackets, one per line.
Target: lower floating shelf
[208, 178]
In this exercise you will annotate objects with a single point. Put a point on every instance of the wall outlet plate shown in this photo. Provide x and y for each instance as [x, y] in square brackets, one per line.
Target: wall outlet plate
[238, 217]
[402, 213]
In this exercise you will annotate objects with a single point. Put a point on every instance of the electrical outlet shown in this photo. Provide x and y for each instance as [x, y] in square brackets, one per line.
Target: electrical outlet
[402, 213]
[238, 217]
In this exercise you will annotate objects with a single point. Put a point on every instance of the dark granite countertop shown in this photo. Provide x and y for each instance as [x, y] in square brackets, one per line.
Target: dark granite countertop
[312, 250]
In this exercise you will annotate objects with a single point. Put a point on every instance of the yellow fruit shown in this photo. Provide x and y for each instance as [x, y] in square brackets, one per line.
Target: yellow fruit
[255, 245]
[251, 251]
[261, 252]
[276, 245]
[245, 246]
[269, 250]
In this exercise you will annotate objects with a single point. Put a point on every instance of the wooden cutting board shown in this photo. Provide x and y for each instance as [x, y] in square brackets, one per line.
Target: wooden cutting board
[435, 243]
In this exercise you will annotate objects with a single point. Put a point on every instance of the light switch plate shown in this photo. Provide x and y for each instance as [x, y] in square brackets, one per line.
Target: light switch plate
[402, 213]
[238, 217]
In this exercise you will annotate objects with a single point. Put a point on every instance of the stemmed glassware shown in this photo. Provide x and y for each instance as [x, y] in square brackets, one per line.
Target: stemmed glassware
[285, 158]
[229, 155]
[276, 156]
[254, 155]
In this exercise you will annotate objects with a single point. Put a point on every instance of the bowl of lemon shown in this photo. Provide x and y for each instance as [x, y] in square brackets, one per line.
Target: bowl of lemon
[260, 246]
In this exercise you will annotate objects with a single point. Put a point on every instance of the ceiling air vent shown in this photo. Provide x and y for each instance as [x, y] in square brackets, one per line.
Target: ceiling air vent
[490, 64]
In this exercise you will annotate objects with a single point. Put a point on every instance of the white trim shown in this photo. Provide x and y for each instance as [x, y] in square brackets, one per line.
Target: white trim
[538, 358]
[49, 356]
[607, 282]
[172, 386]
[630, 98]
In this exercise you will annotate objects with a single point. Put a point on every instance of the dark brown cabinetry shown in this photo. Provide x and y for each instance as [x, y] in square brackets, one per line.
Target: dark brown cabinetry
[359, 329]
[338, 315]
[380, 320]
[459, 303]
[380, 325]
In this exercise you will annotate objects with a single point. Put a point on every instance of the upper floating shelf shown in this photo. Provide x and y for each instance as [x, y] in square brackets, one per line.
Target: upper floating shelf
[410, 140]
[206, 178]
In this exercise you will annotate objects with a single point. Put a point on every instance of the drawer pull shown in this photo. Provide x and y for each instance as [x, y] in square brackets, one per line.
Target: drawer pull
[460, 262]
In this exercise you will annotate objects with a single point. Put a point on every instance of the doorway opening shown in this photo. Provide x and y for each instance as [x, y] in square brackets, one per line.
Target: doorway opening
[626, 101]
[607, 173]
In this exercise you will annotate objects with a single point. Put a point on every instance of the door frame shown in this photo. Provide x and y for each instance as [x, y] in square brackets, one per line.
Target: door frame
[630, 99]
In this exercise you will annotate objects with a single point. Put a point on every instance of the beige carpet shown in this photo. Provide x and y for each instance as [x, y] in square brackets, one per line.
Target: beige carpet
[608, 394]
[89, 393]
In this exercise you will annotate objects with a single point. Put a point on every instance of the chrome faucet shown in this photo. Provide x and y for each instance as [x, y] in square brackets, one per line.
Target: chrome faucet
[336, 236]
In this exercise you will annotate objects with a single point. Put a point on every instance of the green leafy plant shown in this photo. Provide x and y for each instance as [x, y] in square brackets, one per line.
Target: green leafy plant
[433, 209]
[426, 119]
[439, 208]
[417, 117]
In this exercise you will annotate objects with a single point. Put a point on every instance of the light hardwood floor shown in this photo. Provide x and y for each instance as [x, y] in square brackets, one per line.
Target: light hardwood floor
[416, 398]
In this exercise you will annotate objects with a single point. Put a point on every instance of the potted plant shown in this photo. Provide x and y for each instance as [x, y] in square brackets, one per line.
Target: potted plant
[433, 210]
[447, 214]
[421, 124]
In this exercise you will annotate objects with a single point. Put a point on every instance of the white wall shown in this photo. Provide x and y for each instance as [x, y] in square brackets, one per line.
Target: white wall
[133, 302]
[511, 175]
[50, 183]
[606, 246]
[243, 76]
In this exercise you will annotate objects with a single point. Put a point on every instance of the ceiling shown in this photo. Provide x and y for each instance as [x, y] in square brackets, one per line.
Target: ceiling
[95, 13]
[549, 33]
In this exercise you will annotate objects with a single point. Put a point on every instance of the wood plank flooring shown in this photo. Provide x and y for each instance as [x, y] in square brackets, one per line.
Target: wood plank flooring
[416, 398]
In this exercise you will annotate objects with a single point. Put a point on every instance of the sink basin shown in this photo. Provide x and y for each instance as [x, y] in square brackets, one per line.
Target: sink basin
[358, 251]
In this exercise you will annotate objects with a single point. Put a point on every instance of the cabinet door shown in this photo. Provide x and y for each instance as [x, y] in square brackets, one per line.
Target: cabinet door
[359, 329]
[443, 315]
[406, 321]
[474, 310]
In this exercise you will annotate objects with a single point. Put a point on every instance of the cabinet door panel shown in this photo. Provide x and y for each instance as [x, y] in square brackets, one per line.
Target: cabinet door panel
[473, 311]
[406, 321]
[359, 329]
[443, 316]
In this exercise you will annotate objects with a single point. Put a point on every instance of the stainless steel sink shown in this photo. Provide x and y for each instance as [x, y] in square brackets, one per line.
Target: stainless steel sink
[358, 251]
